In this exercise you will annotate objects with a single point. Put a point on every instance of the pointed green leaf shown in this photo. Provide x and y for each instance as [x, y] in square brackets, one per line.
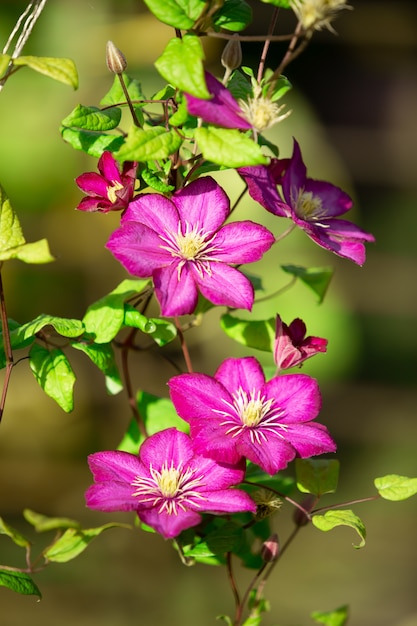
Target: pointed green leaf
[43, 523]
[74, 541]
[102, 355]
[11, 234]
[104, 318]
[229, 147]
[156, 180]
[14, 534]
[338, 617]
[63, 70]
[161, 330]
[147, 145]
[54, 374]
[181, 64]
[393, 487]
[157, 414]
[63, 326]
[259, 334]
[218, 542]
[177, 13]
[345, 517]
[92, 118]
[19, 582]
[92, 143]
[234, 15]
[116, 94]
[36, 252]
[317, 278]
[317, 476]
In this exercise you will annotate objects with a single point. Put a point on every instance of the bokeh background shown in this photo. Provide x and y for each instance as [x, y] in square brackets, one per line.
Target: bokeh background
[354, 113]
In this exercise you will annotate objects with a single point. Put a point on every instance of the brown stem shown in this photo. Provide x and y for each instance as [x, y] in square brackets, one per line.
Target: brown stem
[128, 382]
[232, 580]
[184, 346]
[129, 101]
[267, 44]
[7, 347]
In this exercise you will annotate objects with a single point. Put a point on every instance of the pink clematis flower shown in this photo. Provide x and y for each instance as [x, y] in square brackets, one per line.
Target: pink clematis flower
[292, 347]
[111, 190]
[313, 205]
[182, 244]
[237, 414]
[168, 484]
[223, 110]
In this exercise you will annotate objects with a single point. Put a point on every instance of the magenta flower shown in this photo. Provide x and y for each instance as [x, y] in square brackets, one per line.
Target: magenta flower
[237, 414]
[313, 205]
[182, 244]
[110, 190]
[223, 110]
[168, 484]
[292, 347]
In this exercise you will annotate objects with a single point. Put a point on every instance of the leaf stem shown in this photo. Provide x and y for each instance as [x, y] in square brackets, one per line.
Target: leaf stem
[7, 346]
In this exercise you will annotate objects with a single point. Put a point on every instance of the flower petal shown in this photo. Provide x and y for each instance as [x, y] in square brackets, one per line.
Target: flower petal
[177, 296]
[243, 373]
[138, 248]
[169, 446]
[197, 395]
[203, 202]
[226, 286]
[297, 394]
[155, 211]
[262, 188]
[107, 166]
[93, 184]
[242, 242]
[111, 496]
[310, 439]
[169, 526]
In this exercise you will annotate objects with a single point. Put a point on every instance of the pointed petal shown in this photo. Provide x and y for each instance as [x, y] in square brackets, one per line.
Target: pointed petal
[297, 394]
[245, 373]
[310, 439]
[177, 296]
[341, 237]
[108, 167]
[169, 526]
[91, 204]
[272, 456]
[114, 465]
[242, 242]
[93, 184]
[166, 446]
[197, 396]
[111, 496]
[138, 248]
[155, 211]
[228, 501]
[295, 176]
[262, 188]
[334, 200]
[225, 285]
[202, 202]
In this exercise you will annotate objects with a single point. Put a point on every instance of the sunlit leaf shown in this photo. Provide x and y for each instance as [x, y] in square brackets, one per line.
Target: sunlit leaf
[147, 145]
[11, 234]
[259, 334]
[338, 617]
[393, 487]
[43, 523]
[332, 519]
[229, 147]
[63, 70]
[74, 541]
[177, 13]
[234, 15]
[36, 252]
[90, 142]
[116, 94]
[317, 278]
[92, 118]
[4, 63]
[181, 64]
[14, 534]
[102, 355]
[54, 374]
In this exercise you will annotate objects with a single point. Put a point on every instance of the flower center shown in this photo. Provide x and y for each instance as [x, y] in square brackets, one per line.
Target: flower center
[251, 408]
[317, 14]
[191, 244]
[170, 489]
[261, 112]
[308, 206]
[111, 190]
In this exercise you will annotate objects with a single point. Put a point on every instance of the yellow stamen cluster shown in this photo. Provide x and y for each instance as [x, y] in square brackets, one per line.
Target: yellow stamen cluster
[308, 206]
[261, 112]
[317, 14]
[111, 190]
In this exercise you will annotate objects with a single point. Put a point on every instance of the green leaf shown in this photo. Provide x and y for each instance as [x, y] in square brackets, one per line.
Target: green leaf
[37, 252]
[147, 145]
[181, 64]
[393, 487]
[102, 355]
[63, 326]
[104, 318]
[224, 539]
[156, 180]
[19, 582]
[92, 118]
[4, 63]
[284, 4]
[332, 518]
[42, 523]
[177, 13]
[116, 94]
[281, 86]
[11, 234]
[54, 374]
[259, 334]
[317, 476]
[14, 534]
[157, 414]
[92, 143]
[63, 70]
[317, 278]
[161, 330]
[283, 484]
[239, 86]
[229, 147]
[234, 15]
[338, 617]
[74, 541]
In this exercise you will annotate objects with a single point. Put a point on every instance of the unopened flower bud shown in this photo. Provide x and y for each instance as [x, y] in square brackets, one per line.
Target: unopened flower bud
[300, 518]
[232, 54]
[116, 60]
[270, 549]
[267, 503]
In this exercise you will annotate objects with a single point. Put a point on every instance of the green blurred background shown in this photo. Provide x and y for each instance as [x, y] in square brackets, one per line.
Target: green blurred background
[354, 107]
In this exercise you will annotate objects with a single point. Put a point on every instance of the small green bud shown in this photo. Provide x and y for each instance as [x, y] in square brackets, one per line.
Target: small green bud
[116, 60]
[232, 54]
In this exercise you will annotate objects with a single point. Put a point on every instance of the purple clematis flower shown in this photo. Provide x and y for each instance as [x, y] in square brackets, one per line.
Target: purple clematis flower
[313, 205]
[237, 414]
[292, 347]
[182, 244]
[111, 190]
[223, 110]
[168, 484]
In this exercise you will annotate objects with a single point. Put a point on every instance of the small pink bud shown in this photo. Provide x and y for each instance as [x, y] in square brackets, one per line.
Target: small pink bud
[116, 60]
[270, 549]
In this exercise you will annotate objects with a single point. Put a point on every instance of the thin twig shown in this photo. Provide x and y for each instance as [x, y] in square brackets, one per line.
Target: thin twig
[6, 346]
